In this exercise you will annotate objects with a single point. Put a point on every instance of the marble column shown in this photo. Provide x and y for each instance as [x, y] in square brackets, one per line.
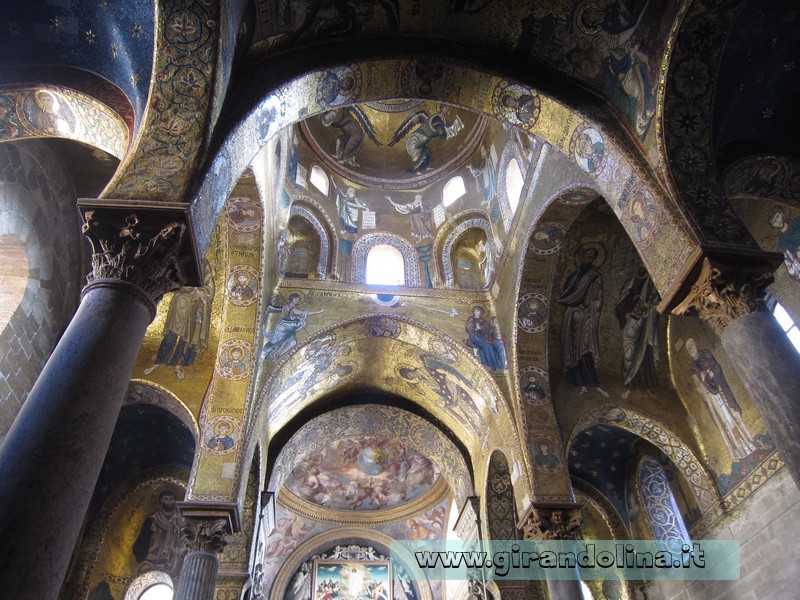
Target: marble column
[728, 298]
[52, 455]
[205, 531]
[554, 521]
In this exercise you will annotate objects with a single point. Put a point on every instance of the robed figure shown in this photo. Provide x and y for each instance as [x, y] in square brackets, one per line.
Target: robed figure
[638, 318]
[580, 343]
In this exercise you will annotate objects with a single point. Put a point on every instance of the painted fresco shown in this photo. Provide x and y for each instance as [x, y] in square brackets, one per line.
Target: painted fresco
[362, 473]
[351, 580]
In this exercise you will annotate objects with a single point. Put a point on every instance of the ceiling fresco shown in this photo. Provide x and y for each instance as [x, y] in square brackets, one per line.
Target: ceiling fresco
[362, 473]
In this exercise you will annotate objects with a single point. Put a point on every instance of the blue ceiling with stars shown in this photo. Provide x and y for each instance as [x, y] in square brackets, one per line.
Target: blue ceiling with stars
[110, 38]
[145, 437]
[758, 83]
[599, 455]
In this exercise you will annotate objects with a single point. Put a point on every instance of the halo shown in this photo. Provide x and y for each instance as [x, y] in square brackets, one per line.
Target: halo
[601, 253]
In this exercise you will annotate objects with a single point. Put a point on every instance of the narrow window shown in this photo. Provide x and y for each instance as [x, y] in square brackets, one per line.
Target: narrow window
[319, 179]
[385, 266]
[453, 190]
[514, 181]
[786, 322]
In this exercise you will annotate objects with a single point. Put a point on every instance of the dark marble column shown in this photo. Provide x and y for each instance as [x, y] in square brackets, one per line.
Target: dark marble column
[556, 521]
[728, 298]
[205, 529]
[52, 455]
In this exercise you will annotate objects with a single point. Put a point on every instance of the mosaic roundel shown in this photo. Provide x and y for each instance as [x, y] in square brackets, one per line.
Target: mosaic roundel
[233, 359]
[640, 214]
[221, 435]
[546, 453]
[534, 385]
[516, 104]
[242, 285]
[362, 473]
[243, 214]
[339, 86]
[587, 149]
[532, 313]
[427, 79]
[546, 238]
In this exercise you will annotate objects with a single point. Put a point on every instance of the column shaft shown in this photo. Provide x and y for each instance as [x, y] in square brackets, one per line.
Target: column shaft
[769, 366]
[199, 576]
[53, 453]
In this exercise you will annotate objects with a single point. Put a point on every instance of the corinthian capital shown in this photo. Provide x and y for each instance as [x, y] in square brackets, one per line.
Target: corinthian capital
[552, 522]
[205, 535]
[723, 292]
[145, 244]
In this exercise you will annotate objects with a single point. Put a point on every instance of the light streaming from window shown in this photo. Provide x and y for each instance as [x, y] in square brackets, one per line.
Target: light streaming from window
[319, 179]
[514, 182]
[453, 190]
[787, 324]
[385, 266]
[159, 591]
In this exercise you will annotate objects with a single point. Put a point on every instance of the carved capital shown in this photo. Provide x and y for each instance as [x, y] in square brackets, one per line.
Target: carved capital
[147, 244]
[552, 522]
[724, 292]
[205, 535]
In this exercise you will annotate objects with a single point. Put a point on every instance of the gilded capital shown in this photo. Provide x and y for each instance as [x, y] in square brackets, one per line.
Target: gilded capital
[552, 522]
[723, 292]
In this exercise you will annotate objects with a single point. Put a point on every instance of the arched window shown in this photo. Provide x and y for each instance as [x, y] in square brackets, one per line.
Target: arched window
[785, 320]
[319, 179]
[159, 591]
[659, 502]
[13, 276]
[514, 182]
[453, 190]
[385, 266]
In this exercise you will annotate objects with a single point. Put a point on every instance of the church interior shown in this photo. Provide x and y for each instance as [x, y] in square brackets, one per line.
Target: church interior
[283, 283]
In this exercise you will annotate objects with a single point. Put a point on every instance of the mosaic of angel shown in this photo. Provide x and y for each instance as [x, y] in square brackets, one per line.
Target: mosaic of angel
[428, 127]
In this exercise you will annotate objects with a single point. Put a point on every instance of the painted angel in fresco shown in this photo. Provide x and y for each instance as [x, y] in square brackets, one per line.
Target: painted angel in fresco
[428, 127]
[187, 326]
[638, 319]
[284, 338]
[353, 123]
[720, 401]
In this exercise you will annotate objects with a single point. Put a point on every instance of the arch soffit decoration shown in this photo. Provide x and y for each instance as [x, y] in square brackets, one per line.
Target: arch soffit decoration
[662, 437]
[56, 111]
[348, 421]
[312, 217]
[141, 391]
[367, 242]
[601, 504]
[620, 174]
[466, 221]
[279, 399]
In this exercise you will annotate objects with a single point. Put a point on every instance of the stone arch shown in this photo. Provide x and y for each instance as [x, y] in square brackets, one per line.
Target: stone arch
[663, 438]
[369, 241]
[617, 175]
